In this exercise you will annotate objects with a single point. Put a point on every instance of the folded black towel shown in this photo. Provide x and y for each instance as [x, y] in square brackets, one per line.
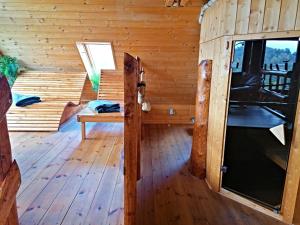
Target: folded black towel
[104, 106]
[108, 108]
[21, 100]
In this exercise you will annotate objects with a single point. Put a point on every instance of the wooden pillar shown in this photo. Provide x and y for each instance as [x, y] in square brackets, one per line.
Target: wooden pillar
[5, 148]
[139, 124]
[199, 147]
[130, 138]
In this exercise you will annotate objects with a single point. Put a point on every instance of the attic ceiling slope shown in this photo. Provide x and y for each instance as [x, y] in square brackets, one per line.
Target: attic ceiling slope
[43, 33]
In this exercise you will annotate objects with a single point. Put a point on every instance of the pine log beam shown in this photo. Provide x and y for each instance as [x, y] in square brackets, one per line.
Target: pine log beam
[199, 146]
[5, 97]
[139, 123]
[130, 138]
[8, 191]
[5, 148]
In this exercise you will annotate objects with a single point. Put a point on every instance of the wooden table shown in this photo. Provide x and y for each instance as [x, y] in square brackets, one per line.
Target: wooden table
[88, 115]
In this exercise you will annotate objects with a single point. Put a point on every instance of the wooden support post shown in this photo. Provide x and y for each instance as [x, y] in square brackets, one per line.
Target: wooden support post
[139, 124]
[5, 148]
[199, 147]
[8, 191]
[130, 138]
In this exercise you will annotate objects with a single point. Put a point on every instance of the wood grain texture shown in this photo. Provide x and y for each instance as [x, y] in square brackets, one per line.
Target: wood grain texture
[170, 195]
[256, 18]
[111, 86]
[62, 173]
[8, 191]
[288, 13]
[88, 94]
[271, 18]
[5, 150]
[60, 94]
[81, 180]
[199, 147]
[130, 138]
[242, 17]
[43, 34]
[297, 25]
[5, 96]
[268, 19]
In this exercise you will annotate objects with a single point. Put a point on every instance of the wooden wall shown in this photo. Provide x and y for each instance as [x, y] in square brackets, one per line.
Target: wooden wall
[224, 22]
[43, 34]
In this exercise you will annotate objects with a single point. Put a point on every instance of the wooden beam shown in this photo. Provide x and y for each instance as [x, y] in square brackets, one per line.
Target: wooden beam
[5, 96]
[8, 190]
[5, 149]
[130, 138]
[139, 124]
[199, 147]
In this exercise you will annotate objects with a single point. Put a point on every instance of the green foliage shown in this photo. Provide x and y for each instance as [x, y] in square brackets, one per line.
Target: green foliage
[272, 56]
[95, 80]
[9, 68]
[279, 56]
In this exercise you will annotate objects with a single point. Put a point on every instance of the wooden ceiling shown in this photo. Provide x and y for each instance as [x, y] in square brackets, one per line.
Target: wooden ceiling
[43, 33]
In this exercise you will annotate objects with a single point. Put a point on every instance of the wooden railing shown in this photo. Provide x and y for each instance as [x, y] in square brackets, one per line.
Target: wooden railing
[278, 81]
[10, 177]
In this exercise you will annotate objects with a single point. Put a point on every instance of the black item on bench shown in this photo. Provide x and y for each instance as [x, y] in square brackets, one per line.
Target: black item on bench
[104, 106]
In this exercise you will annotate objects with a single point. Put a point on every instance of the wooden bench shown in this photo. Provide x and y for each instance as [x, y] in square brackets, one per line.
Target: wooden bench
[60, 94]
[111, 88]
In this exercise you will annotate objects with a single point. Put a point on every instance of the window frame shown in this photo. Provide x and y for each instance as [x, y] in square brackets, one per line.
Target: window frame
[90, 57]
[279, 39]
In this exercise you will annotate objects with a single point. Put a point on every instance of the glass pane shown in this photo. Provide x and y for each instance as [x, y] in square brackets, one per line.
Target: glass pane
[280, 55]
[238, 57]
[260, 121]
[101, 56]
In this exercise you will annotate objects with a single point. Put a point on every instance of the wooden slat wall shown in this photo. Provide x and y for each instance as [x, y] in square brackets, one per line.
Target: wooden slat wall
[111, 86]
[43, 34]
[244, 20]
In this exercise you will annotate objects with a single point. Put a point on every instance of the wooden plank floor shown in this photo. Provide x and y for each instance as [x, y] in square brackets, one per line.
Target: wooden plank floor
[169, 195]
[66, 181]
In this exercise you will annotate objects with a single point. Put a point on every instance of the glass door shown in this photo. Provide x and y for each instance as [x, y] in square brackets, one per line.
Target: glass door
[261, 113]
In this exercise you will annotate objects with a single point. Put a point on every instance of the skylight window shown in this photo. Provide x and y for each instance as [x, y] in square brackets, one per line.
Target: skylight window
[96, 56]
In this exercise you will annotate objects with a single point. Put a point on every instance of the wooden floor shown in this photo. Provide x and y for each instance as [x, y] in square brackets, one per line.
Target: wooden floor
[169, 195]
[65, 181]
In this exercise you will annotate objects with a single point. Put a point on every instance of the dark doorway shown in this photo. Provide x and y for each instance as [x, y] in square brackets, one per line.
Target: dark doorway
[262, 105]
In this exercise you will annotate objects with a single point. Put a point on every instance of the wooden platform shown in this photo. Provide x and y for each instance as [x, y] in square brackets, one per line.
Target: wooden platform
[60, 94]
[66, 181]
[88, 115]
[111, 88]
